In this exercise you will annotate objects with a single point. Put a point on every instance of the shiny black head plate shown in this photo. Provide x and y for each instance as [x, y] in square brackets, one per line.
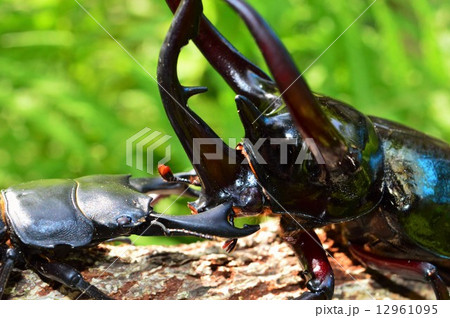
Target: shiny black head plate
[114, 207]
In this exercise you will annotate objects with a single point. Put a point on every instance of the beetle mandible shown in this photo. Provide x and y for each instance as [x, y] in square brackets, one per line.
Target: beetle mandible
[384, 183]
[41, 221]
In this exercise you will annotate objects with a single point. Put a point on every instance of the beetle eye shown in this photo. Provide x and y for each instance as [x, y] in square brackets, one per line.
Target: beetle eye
[124, 221]
[251, 200]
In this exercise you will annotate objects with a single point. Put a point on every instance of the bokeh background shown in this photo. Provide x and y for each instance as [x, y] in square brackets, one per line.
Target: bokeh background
[70, 97]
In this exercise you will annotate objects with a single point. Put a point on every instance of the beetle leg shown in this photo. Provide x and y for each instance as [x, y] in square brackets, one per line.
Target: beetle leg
[404, 267]
[244, 77]
[313, 257]
[66, 275]
[215, 174]
[8, 260]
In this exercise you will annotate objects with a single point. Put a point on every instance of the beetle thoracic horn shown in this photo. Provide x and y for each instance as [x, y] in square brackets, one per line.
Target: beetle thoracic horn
[253, 120]
[308, 116]
[214, 173]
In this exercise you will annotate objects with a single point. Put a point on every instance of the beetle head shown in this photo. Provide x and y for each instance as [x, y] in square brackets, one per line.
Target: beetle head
[343, 177]
[114, 207]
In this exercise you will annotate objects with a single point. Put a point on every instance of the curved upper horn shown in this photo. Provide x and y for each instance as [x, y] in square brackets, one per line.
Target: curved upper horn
[308, 116]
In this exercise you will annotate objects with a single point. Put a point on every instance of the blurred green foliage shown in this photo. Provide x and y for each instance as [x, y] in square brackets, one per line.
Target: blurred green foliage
[70, 96]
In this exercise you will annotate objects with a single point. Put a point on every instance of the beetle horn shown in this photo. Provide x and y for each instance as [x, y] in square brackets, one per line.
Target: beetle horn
[244, 77]
[191, 91]
[189, 127]
[308, 116]
[252, 118]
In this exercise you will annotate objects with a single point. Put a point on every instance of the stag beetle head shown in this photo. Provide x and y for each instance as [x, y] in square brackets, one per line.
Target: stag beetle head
[271, 168]
[113, 206]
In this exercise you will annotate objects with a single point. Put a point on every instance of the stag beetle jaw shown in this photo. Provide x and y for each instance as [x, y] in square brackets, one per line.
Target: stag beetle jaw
[216, 222]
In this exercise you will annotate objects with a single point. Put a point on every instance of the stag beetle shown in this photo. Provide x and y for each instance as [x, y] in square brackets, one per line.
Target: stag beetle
[386, 185]
[43, 220]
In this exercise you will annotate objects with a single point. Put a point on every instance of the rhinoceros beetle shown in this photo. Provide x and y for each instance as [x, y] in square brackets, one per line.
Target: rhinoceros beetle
[386, 185]
[41, 221]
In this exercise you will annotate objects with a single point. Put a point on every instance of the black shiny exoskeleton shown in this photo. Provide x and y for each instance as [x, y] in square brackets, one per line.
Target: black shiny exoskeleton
[41, 221]
[385, 184]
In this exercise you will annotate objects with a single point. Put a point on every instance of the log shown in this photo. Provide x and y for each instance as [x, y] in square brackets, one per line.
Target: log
[262, 267]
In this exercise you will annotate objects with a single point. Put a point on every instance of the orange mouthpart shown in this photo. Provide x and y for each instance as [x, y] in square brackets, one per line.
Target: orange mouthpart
[165, 172]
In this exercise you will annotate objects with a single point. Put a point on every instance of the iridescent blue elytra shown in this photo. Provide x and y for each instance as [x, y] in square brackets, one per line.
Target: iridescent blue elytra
[417, 174]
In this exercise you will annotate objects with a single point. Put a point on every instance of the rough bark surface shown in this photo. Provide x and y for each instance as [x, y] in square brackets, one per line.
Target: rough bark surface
[262, 267]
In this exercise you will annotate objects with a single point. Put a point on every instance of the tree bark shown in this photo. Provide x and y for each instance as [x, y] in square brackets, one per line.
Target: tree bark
[262, 267]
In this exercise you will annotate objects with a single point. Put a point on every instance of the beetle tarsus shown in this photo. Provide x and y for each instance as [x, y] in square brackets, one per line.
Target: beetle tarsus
[437, 283]
[166, 173]
[312, 296]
